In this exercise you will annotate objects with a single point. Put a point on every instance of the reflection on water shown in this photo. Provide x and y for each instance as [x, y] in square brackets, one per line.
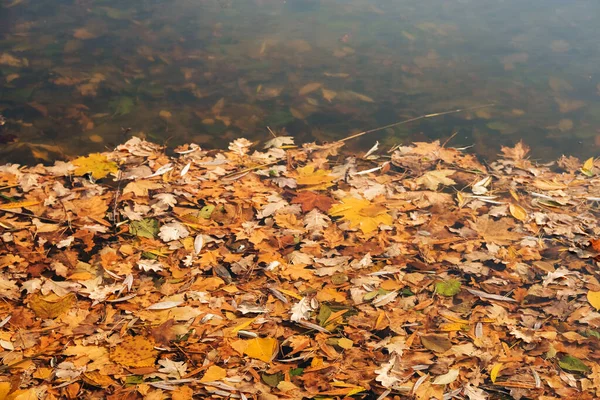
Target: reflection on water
[82, 75]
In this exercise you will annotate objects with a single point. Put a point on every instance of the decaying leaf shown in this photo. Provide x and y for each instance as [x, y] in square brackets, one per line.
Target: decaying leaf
[433, 179]
[134, 351]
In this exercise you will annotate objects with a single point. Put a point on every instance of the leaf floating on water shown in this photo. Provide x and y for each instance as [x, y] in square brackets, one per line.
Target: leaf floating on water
[96, 164]
[433, 179]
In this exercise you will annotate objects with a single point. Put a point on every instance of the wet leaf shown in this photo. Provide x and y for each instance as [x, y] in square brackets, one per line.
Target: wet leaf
[433, 179]
[95, 164]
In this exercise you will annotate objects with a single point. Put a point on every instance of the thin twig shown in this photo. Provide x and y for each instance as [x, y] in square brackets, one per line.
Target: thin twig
[406, 121]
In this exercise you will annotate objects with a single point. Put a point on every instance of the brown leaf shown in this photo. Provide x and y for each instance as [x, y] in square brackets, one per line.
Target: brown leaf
[436, 343]
[310, 200]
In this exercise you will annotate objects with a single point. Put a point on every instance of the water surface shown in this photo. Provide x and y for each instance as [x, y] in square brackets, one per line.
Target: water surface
[80, 76]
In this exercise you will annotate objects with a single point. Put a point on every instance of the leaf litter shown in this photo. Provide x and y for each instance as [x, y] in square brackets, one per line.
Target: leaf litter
[430, 276]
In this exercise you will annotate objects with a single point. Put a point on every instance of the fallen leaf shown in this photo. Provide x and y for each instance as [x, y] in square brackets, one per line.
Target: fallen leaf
[96, 164]
[263, 349]
[433, 179]
[135, 351]
[436, 343]
[361, 213]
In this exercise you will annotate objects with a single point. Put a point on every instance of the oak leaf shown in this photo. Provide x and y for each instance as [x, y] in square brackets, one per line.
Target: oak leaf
[361, 214]
[96, 164]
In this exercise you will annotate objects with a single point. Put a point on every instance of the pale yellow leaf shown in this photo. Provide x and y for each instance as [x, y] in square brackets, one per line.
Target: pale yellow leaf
[214, 373]
[433, 179]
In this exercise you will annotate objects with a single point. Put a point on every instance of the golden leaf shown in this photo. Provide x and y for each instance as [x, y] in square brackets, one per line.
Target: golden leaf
[314, 180]
[263, 349]
[594, 299]
[495, 371]
[95, 164]
[135, 351]
[517, 211]
[19, 204]
[214, 373]
[361, 213]
[51, 306]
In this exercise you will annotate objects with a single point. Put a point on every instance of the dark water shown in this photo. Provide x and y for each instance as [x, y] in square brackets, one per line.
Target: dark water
[83, 75]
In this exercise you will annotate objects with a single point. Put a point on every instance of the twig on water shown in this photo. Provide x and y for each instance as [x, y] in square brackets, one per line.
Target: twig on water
[406, 121]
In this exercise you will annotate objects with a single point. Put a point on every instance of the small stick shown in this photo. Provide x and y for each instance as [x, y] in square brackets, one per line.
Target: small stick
[406, 121]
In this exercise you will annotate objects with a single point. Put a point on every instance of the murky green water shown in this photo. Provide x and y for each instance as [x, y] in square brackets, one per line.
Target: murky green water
[79, 76]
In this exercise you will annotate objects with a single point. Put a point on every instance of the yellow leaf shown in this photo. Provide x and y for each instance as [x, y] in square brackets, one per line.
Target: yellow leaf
[243, 325]
[19, 204]
[51, 306]
[588, 164]
[28, 394]
[517, 211]
[361, 213]
[345, 343]
[594, 299]
[495, 371]
[95, 164]
[135, 351]
[4, 389]
[309, 87]
[214, 373]
[314, 180]
[263, 349]
[432, 179]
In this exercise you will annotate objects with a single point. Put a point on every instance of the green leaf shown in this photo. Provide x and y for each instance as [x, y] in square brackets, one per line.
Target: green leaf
[134, 379]
[122, 105]
[591, 333]
[448, 288]
[147, 228]
[324, 313]
[571, 363]
[296, 371]
[272, 379]
[207, 211]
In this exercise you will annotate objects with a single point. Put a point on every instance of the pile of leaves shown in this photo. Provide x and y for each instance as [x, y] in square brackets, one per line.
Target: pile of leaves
[299, 272]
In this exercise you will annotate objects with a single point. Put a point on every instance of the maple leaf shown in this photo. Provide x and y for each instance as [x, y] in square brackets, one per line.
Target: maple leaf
[495, 231]
[280, 141]
[96, 164]
[361, 213]
[433, 179]
[310, 200]
[314, 180]
[516, 153]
